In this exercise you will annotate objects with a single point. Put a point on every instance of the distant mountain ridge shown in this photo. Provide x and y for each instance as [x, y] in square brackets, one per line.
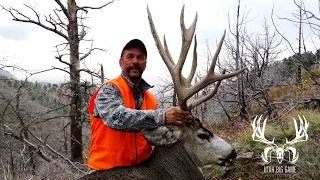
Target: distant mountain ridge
[7, 74]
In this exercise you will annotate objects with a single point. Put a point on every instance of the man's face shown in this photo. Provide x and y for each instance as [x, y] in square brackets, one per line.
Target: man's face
[133, 62]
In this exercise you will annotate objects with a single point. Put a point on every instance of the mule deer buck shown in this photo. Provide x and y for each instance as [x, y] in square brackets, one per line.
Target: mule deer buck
[180, 150]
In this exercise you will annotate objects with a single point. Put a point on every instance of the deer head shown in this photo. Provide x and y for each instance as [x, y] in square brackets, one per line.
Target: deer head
[198, 140]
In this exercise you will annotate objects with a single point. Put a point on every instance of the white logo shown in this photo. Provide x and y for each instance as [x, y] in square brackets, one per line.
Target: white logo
[301, 135]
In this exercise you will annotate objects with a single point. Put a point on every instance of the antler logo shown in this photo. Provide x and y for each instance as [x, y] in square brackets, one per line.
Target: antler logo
[301, 135]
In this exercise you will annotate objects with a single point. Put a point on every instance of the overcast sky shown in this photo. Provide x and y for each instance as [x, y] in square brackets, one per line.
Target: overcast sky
[32, 47]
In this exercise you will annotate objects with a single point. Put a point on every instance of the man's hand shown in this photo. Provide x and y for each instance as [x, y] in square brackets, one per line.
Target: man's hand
[176, 116]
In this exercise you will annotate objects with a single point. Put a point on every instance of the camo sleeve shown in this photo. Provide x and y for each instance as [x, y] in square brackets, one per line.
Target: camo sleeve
[109, 106]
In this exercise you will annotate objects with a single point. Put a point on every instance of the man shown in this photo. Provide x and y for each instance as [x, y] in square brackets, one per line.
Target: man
[121, 109]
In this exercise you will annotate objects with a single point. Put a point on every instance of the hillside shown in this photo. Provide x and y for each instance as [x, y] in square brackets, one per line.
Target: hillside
[42, 112]
[5, 73]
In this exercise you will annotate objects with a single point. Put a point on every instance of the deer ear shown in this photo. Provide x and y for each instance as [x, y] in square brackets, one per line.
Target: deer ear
[163, 135]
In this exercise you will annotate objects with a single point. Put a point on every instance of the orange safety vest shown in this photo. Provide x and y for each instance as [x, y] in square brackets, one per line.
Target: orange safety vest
[110, 148]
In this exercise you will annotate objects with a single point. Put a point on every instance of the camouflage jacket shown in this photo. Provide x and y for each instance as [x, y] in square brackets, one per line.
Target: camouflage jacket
[109, 106]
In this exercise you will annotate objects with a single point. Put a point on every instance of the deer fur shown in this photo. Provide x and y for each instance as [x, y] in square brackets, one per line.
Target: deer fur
[181, 155]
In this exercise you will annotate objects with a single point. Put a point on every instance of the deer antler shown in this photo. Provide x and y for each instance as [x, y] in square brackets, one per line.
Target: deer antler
[301, 133]
[182, 85]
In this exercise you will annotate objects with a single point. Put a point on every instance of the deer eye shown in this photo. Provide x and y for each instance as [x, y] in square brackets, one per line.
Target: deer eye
[203, 136]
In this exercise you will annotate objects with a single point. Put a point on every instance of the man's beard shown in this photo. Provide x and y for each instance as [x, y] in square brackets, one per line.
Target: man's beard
[134, 79]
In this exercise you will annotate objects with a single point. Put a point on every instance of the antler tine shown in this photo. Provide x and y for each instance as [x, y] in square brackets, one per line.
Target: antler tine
[194, 62]
[192, 102]
[180, 83]
[187, 35]
[216, 54]
[211, 77]
[167, 59]
[209, 80]
[166, 50]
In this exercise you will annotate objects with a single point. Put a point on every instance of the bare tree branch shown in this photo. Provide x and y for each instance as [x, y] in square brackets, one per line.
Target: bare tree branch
[90, 72]
[56, 152]
[311, 15]
[62, 24]
[46, 70]
[63, 8]
[59, 56]
[89, 52]
[11, 133]
[274, 24]
[26, 19]
[85, 8]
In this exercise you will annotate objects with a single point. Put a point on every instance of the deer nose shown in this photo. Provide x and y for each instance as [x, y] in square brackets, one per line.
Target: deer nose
[233, 154]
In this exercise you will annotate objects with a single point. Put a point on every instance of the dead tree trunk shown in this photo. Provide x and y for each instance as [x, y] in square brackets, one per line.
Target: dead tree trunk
[102, 73]
[298, 62]
[239, 65]
[76, 100]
